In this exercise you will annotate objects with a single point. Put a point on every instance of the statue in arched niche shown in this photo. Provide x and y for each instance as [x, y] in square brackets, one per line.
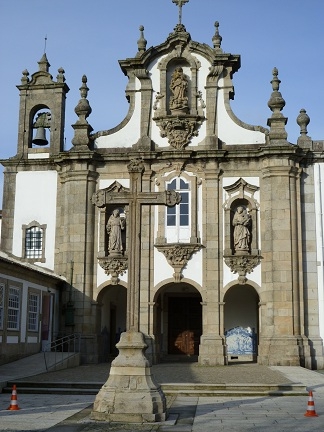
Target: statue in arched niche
[115, 225]
[241, 235]
[179, 87]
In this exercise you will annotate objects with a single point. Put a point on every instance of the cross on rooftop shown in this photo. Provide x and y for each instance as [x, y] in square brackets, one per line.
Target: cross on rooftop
[180, 3]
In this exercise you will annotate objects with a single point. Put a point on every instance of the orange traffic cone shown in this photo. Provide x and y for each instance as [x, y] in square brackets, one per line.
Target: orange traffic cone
[310, 406]
[13, 403]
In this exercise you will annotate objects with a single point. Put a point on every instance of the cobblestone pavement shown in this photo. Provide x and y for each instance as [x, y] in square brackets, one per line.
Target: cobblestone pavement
[70, 413]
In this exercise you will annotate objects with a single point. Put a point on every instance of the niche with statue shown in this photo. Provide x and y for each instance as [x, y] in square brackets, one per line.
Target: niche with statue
[241, 252]
[179, 109]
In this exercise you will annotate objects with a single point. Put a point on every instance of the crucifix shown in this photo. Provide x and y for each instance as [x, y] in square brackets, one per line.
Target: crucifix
[134, 198]
[130, 393]
[180, 3]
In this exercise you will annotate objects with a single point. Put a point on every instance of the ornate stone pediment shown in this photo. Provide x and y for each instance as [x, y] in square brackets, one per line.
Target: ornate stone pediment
[242, 264]
[101, 197]
[114, 266]
[179, 130]
[178, 255]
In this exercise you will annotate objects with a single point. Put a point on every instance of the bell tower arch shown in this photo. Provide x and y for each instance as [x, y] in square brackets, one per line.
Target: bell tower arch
[42, 111]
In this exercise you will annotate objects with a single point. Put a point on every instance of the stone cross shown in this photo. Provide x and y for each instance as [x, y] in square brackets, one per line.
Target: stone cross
[180, 3]
[135, 198]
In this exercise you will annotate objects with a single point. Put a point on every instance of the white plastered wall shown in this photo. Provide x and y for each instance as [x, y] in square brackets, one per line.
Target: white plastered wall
[319, 210]
[36, 199]
[229, 131]
[228, 276]
[130, 133]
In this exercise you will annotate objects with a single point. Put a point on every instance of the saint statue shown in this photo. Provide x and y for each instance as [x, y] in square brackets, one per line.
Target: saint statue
[241, 223]
[115, 225]
[179, 86]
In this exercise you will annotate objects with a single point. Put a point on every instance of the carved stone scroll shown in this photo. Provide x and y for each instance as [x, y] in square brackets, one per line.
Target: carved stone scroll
[179, 130]
[242, 265]
[178, 256]
[114, 266]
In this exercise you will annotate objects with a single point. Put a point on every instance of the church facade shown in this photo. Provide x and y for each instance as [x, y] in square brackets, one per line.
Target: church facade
[231, 272]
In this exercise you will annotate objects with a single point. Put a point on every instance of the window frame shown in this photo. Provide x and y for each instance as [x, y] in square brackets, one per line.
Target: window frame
[35, 313]
[13, 308]
[26, 229]
[2, 305]
[175, 212]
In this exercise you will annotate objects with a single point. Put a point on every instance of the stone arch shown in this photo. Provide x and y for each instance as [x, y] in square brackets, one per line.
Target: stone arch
[35, 115]
[249, 282]
[241, 322]
[177, 320]
[111, 318]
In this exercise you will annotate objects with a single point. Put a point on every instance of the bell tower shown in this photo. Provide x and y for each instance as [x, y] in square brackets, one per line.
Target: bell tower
[42, 112]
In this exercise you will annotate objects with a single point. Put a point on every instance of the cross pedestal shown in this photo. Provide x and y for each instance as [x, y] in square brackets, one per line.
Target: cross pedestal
[130, 393]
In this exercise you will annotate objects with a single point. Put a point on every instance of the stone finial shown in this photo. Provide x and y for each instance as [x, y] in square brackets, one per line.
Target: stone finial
[24, 78]
[276, 101]
[44, 64]
[82, 128]
[60, 77]
[83, 108]
[303, 121]
[142, 42]
[217, 39]
[277, 122]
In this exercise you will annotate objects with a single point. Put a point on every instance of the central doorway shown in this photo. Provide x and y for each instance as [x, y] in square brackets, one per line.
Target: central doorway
[177, 322]
[185, 325]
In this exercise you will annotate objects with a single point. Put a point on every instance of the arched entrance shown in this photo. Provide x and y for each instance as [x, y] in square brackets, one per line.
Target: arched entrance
[112, 300]
[241, 323]
[178, 322]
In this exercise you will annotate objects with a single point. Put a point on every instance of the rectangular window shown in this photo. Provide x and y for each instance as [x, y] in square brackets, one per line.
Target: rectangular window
[34, 242]
[33, 311]
[2, 291]
[13, 308]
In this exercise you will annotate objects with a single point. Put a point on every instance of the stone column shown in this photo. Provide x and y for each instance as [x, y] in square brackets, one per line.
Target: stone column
[211, 350]
[278, 340]
[76, 226]
[8, 204]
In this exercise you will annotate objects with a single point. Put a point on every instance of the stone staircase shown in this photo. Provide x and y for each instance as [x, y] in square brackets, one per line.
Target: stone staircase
[176, 389]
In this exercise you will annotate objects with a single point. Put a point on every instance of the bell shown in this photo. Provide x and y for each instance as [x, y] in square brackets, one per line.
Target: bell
[40, 138]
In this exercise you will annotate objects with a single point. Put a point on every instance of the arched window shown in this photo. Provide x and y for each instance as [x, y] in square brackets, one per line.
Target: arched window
[34, 242]
[178, 217]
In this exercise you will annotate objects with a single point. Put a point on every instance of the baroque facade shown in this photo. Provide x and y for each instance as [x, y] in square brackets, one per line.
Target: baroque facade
[233, 271]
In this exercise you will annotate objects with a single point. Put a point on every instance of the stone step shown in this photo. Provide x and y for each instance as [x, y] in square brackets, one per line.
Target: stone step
[179, 389]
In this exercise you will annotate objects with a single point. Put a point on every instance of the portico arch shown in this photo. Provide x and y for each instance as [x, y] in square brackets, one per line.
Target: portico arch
[177, 321]
[111, 319]
[241, 322]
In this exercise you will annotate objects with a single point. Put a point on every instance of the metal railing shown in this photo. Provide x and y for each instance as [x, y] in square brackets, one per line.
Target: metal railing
[61, 349]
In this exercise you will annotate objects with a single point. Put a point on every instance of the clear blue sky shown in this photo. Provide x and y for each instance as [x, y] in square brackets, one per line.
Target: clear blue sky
[90, 37]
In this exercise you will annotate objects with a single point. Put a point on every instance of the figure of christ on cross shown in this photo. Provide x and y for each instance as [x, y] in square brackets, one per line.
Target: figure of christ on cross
[130, 393]
[180, 3]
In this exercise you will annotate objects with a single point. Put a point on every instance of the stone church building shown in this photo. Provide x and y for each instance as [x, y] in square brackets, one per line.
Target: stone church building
[232, 272]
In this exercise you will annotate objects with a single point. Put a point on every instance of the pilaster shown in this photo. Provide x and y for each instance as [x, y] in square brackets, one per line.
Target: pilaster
[212, 349]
